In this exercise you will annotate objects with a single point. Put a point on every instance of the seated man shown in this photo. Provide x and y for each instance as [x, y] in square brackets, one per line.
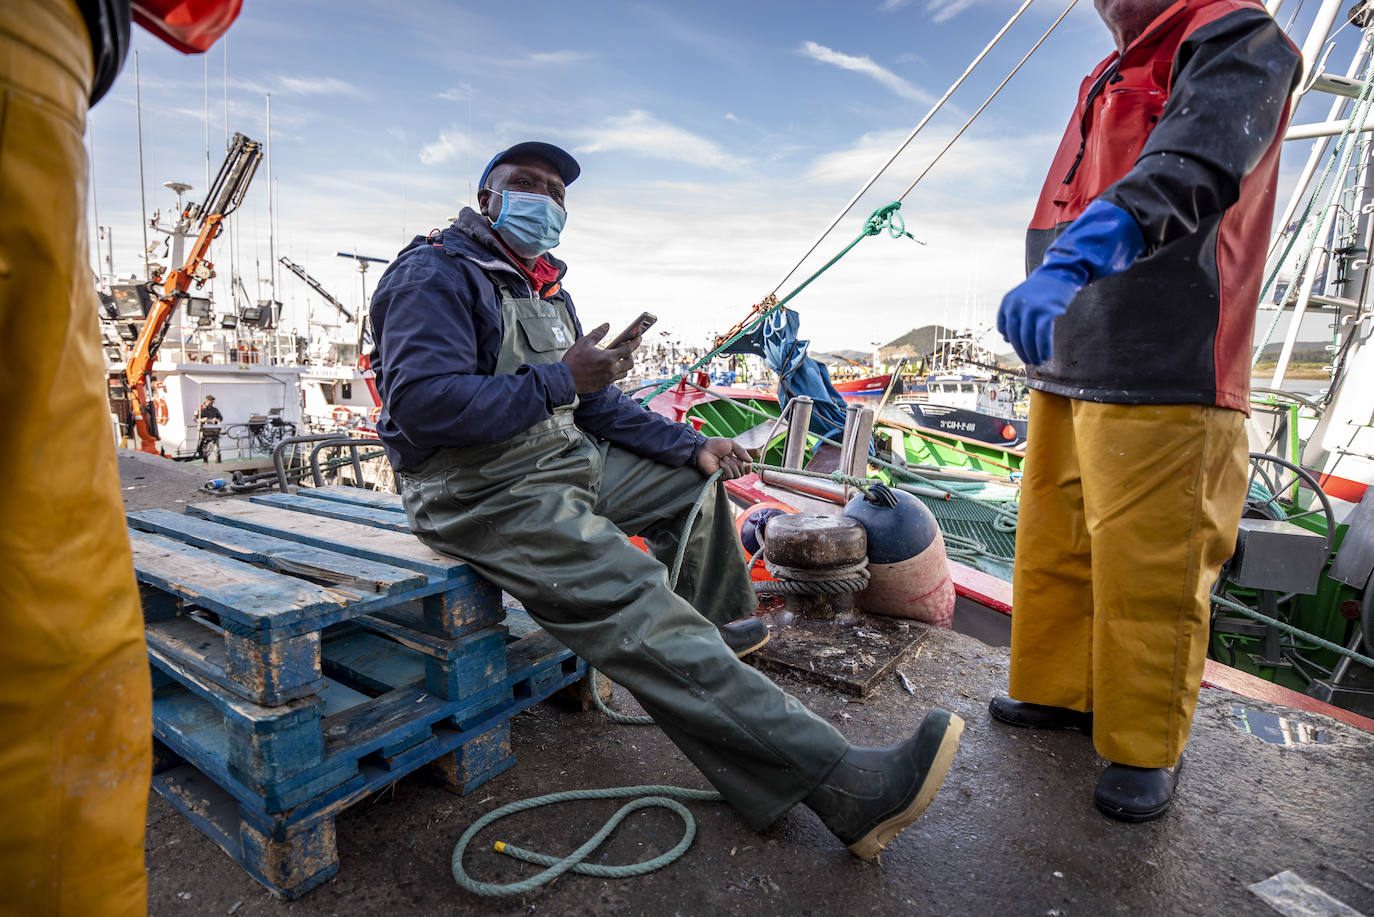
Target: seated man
[517, 454]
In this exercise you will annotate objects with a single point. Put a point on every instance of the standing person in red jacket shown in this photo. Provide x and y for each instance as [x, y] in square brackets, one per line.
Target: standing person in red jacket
[75, 702]
[1135, 323]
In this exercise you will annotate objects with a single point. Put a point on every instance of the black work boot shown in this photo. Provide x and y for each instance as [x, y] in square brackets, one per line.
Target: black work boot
[1039, 716]
[871, 794]
[745, 635]
[1136, 794]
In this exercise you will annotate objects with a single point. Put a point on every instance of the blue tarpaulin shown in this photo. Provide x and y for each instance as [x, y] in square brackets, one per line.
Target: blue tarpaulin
[776, 341]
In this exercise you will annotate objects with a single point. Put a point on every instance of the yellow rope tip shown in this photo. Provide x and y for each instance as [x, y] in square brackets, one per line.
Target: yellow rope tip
[499, 846]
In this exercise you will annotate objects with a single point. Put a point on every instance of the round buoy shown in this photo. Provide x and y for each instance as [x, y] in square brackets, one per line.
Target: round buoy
[907, 566]
[1008, 432]
[751, 524]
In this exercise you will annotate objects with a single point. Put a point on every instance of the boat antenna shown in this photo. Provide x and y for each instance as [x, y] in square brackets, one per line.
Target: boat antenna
[844, 212]
[207, 121]
[271, 221]
[142, 198]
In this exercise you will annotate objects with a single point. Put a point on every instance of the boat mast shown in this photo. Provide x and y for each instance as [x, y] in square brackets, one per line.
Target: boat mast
[271, 236]
[142, 198]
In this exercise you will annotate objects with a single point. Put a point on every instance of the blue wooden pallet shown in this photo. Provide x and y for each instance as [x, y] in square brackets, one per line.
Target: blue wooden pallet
[293, 851]
[375, 702]
[275, 578]
[307, 651]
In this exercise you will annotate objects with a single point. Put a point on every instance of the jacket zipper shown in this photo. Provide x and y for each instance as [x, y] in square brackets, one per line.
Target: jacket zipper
[1093, 93]
[1109, 76]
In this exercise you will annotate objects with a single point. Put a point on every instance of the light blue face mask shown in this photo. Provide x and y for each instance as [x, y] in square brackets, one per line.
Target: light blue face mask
[529, 223]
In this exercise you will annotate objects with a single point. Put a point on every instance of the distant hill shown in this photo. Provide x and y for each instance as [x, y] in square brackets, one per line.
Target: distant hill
[1303, 352]
[841, 357]
[916, 342]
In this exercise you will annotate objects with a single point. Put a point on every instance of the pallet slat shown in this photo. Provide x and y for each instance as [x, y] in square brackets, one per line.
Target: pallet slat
[348, 512]
[281, 555]
[225, 586]
[400, 549]
[373, 498]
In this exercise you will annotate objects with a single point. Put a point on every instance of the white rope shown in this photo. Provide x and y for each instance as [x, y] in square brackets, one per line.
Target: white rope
[986, 102]
[905, 143]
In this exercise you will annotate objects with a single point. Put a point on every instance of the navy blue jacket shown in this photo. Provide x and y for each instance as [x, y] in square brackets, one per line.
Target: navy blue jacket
[436, 326]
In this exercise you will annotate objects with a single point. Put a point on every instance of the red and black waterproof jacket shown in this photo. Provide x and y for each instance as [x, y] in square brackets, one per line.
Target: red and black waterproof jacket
[1181, 130]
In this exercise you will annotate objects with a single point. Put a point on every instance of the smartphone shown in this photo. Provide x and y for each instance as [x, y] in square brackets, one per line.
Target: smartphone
[636, 328]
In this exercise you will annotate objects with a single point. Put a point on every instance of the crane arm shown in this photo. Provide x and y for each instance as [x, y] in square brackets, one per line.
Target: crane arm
[314, 284]
[224, 197]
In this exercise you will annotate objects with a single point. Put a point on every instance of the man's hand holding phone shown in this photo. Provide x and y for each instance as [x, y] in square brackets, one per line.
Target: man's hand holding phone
[593, 368]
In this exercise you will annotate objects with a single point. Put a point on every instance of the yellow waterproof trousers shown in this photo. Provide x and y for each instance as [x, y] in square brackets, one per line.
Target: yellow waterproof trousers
[75, 701]
[1127, 513]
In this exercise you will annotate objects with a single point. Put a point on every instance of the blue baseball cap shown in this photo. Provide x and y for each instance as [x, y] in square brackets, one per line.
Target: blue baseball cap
[567, 167]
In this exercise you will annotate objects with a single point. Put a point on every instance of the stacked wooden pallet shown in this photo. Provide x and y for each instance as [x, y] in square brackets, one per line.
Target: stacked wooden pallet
[307, 651]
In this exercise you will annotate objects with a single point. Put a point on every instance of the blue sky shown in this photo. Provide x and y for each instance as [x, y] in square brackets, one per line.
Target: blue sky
[717, 140]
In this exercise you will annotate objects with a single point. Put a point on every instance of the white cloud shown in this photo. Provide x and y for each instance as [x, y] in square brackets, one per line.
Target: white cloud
[973, 160]
[641, 132]
[314, 86]
[867, 67]
[297, 85]
[944, 10]
[459, 93]
[558, 57]
[890, 5]
[451, 144]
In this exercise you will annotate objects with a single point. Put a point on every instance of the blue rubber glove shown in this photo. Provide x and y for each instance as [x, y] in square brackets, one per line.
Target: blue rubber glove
[1103, 241]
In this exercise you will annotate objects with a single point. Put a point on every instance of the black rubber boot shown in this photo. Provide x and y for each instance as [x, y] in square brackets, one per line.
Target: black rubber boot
[745, 635]
[871, 794]
[1136, 794]
[1039, 716]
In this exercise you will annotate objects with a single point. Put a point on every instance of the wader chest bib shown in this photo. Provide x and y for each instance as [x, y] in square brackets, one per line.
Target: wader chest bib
[533, 515]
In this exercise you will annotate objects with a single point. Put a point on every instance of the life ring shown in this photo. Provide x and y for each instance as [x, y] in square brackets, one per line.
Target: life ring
[375, 414]
[342, 416]
[160, 411]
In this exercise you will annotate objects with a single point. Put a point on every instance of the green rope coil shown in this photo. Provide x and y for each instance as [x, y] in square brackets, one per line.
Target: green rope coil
[657, 797]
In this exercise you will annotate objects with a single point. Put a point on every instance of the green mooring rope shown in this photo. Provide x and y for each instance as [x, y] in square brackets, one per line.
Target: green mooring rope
[651, 795]
[1293, 631]
[885, 217]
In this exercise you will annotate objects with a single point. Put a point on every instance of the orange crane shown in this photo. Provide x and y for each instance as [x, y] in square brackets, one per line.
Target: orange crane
[224, 197]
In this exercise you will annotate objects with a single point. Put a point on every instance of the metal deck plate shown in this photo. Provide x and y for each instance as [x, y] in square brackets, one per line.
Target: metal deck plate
[851, 657]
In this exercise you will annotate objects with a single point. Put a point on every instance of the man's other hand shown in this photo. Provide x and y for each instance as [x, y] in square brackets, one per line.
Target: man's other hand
[723, 455]
[593, 368]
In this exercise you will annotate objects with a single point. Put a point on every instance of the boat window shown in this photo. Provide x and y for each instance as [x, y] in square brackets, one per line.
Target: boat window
[347, 389]
[327, 389]
[966, 387]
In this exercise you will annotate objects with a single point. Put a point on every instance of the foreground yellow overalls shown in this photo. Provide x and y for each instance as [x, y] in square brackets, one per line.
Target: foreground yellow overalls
[1127, 513]
[75, 702]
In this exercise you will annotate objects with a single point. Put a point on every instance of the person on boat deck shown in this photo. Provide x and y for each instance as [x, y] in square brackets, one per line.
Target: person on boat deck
[1135, 323]
[208, 413]
[516, 453]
